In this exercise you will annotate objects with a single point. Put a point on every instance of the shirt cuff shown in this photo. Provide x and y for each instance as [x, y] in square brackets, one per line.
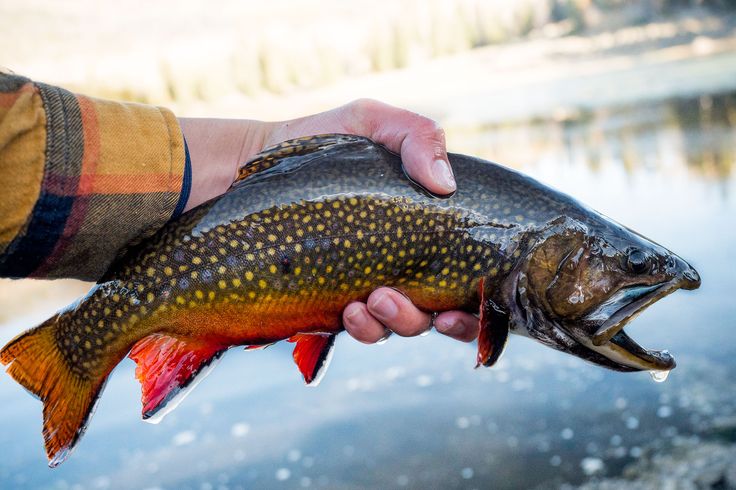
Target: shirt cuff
[113, 174]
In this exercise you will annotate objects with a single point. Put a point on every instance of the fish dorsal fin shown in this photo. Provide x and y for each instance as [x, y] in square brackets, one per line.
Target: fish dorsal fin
[312, 355]
[493, 329]
[299, 147]
[168, 368]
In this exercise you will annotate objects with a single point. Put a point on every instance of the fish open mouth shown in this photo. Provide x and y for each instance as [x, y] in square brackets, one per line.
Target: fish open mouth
[610, 318]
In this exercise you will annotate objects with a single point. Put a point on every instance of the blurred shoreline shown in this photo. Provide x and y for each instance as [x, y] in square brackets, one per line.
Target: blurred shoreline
[287, 59]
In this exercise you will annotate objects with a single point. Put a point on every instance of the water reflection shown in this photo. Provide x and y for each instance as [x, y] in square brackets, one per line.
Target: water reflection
[413, 413]
[697, 135]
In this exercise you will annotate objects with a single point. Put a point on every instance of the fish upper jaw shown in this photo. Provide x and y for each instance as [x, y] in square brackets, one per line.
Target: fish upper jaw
[690, 279]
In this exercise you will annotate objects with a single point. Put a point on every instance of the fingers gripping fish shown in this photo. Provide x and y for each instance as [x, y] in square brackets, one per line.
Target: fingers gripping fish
[316, 223]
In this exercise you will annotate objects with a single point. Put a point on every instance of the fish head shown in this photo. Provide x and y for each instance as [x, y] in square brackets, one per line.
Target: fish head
[583, 283]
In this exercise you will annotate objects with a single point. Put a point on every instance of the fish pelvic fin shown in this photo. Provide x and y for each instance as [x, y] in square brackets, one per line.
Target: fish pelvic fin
[35, 360]
[312, 355]
[168, 368]
[493, 330]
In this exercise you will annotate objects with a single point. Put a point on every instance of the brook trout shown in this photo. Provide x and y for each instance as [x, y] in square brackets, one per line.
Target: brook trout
[313, 224]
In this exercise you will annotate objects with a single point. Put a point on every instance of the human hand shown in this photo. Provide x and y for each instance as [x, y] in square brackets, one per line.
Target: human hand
[218, 146]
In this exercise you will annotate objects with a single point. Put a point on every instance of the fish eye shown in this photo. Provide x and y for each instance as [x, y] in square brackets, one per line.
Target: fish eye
[637, 261]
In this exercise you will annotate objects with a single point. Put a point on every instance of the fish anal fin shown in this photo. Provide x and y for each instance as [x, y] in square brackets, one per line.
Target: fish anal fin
[168, 368]
[493, 330]
[312, 355]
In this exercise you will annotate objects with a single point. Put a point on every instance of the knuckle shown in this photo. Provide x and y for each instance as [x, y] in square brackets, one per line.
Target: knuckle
[363, 106]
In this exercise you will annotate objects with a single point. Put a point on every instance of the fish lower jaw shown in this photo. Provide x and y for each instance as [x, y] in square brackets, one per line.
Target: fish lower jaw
[623, 350]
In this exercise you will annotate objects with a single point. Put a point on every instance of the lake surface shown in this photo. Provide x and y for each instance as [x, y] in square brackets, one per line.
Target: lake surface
[413, 413]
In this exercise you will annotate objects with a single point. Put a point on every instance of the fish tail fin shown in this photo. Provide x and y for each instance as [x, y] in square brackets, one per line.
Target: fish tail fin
[35, 361]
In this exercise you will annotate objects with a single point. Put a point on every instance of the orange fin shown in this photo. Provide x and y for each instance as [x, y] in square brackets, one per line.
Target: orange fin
[493, 330]
[69, 398]
[258, 346]
[312, 355]
[168, 369]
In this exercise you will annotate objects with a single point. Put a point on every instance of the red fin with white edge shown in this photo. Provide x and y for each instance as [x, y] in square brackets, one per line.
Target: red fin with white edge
[312, 355]
[258, 346]
[168, 368]
[493, 330]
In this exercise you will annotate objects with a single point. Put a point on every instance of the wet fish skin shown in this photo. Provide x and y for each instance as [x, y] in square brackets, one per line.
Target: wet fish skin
[312, 225]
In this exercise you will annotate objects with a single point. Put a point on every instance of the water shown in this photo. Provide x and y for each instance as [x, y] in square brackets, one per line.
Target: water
[659, 376]
[413, 413]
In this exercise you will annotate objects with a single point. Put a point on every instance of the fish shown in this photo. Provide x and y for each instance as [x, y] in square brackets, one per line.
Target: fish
[315, 223]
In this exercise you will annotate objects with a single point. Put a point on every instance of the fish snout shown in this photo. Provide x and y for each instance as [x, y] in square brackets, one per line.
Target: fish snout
[688, 276]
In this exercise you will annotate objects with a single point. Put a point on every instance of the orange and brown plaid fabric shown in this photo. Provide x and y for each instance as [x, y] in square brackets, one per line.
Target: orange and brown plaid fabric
[82, 178]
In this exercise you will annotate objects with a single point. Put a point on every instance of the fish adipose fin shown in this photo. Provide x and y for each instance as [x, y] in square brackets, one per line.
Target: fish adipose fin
[168, 369]
[312, 355]
[35, 361]
[493, 330]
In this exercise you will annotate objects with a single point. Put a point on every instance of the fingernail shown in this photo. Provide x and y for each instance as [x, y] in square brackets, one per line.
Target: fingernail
[355, 314]
[446, 326]
[385, 307]
[442, 173]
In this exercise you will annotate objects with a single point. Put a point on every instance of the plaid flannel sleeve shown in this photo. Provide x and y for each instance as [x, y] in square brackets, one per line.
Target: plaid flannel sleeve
[82, 179]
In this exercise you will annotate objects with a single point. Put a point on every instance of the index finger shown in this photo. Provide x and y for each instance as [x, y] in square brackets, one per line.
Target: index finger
[419, 140]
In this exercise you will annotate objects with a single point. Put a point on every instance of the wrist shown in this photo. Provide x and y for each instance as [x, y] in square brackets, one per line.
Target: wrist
[216, 148]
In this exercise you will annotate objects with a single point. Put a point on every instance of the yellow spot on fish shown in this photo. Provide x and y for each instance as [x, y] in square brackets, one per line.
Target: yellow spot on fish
[180, 300]
[236, 282]
[262, 284]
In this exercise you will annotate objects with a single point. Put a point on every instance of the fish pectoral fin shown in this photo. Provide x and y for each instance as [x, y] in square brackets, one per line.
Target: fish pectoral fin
[168, 368]
[312, 355]
[493, 331]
